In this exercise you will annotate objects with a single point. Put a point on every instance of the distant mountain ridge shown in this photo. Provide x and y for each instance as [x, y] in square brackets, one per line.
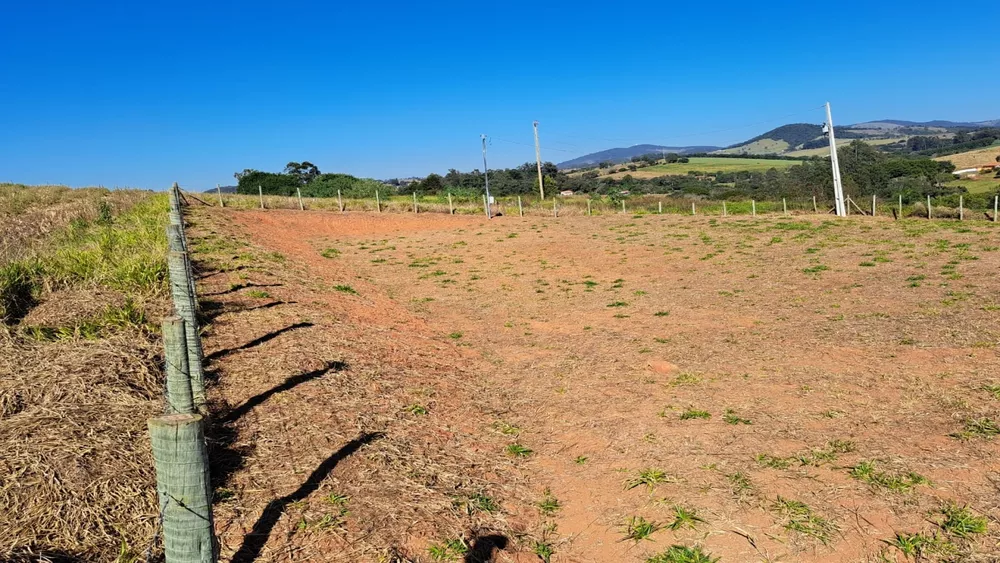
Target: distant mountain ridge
[623, 154]
[793, 139]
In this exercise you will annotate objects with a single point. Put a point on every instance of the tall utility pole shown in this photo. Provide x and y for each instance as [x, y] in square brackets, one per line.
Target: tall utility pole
[838, 187]
[486, 174]
[538, 159]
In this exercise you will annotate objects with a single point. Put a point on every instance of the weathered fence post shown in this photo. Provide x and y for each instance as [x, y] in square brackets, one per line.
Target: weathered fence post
[378, 203]
[184, 306]
[299, 192]
[175, 243]
[520, 211]
[183, 487]
[178, 376]
[340, 202]
[753, 207]
[451, 208]
[218, 190]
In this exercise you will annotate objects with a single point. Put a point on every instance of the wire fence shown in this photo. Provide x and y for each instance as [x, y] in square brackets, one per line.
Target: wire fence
[976, 208]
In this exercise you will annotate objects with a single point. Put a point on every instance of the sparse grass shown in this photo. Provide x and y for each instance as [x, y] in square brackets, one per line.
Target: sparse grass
[959, 521]
[692, 413]
[330, 253]
[258, 294]
[800, 518]
[506, 428]
[915, 546]
[455, 335]
[867, 472]
[449, 550]
[518, 450]
[580, 460]
[685, 518]
[618, 304]
[682, 554]
[345, 289]
[649, 478]
[731, 418]
[638, 528]
[979, 428]
[416, 409]
[992, 390]
[661, 314]
[549, 504]
[739, 483]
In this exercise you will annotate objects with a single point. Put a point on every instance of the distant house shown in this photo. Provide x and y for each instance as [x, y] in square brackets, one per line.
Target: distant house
[566, 192]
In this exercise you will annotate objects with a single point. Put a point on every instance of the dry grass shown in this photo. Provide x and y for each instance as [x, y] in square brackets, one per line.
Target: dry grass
[974, 158]
[80, 371]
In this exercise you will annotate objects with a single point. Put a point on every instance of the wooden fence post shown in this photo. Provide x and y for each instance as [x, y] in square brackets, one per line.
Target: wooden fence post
[815, 209]
[588, 208]
[784, 206]
[178, 376]
[218, 190]
[520, 211]
[900, 206]
[725, 212]
[623, 207]
[183, 487]
[961, 208]
[299, 192]
[996, 207]
[873, 205]
[555, 213]
[928, 206]
[659, 207]
[378, 203]
[340, 202]
[184, 307]
[260, 190]
[692, 209]
[451, 208]
[753, 207]
[414, 202]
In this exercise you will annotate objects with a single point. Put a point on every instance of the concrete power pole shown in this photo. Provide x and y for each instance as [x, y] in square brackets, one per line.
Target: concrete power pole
[538, 159]
[486, 174]
[838, 187]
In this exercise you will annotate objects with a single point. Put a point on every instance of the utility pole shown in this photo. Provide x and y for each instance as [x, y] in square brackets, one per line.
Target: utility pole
[838, 187]
[538, 159]
[486, 174]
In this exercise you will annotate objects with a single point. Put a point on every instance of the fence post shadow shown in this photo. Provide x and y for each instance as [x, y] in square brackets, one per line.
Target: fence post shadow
[254, 541]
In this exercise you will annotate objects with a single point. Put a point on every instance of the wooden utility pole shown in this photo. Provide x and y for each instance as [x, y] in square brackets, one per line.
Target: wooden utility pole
[538, 160]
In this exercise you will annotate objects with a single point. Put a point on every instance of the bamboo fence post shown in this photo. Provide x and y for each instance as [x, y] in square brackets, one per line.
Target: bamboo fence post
[451, 208]
[961, 208]
[178, 376]
[928, 206]
[183, 487]
[815, 210]
[218, 190]
[340, 202]
[753, 207]
[378, 203]
[520, 211]
[260, 190]
[299, 192]
[184, 307]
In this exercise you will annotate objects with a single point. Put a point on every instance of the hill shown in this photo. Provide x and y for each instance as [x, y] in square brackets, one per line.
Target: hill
[623, 154]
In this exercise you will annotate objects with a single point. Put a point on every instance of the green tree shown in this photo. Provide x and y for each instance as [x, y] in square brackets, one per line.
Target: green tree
[305, 171]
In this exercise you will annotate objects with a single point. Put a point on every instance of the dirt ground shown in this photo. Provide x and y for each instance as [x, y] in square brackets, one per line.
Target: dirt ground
[727, 380]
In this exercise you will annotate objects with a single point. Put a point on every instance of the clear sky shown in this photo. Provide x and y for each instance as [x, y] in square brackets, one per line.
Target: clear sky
[142, 94]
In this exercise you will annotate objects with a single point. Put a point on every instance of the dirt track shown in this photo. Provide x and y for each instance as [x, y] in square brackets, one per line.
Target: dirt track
[593, 336]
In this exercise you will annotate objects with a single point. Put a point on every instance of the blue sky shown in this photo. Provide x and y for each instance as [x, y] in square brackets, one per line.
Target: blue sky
[146, 93]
